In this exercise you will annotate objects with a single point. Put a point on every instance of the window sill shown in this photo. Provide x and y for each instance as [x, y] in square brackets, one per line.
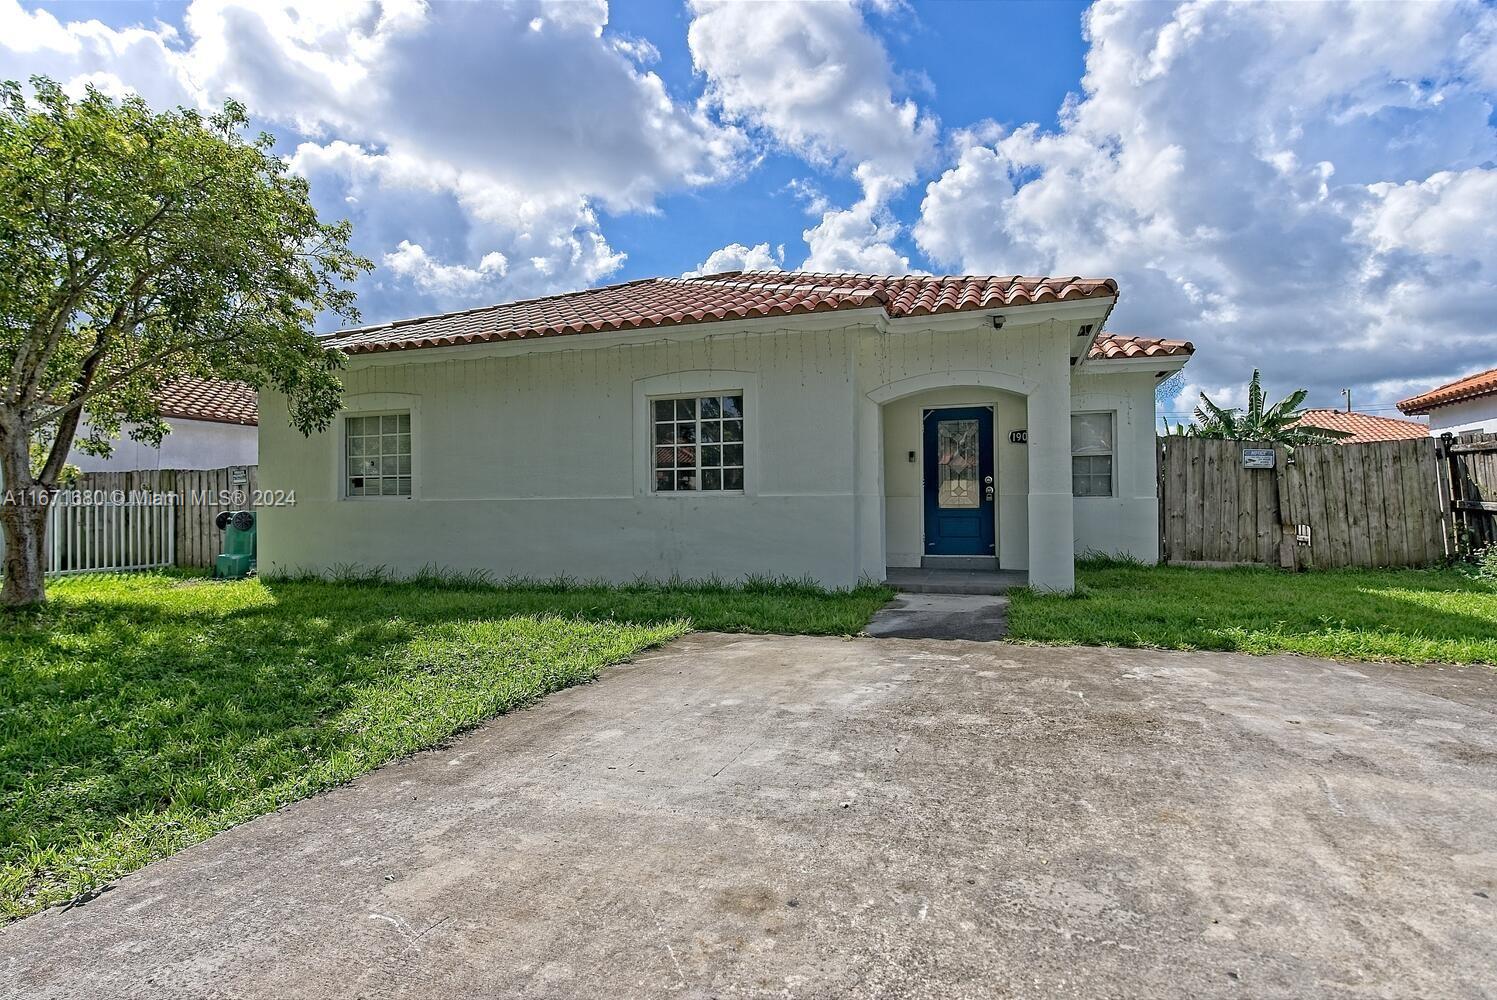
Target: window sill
[698, 493]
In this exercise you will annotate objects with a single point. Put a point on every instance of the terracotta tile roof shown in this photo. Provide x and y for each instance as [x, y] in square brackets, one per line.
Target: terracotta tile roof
[1365, 427]
[664, 302]
[1470, 387]
[1121, 347]
[210, 399]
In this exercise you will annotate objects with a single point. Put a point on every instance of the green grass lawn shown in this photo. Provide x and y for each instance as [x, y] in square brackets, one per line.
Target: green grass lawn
[143, 713]
[1413, 616]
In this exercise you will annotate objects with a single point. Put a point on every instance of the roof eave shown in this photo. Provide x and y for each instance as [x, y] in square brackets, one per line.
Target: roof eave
[874, 315]
[1158, 363]
[1414, 408]
[208, 419]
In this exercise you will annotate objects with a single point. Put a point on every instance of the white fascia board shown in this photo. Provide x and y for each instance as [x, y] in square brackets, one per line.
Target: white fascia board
[1104, 366]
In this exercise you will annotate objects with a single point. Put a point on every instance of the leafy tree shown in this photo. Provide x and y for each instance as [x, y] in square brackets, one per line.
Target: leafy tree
[1276, 424]
[138, 247]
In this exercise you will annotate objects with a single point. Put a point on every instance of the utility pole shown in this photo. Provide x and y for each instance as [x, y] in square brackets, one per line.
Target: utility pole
[1347, 394]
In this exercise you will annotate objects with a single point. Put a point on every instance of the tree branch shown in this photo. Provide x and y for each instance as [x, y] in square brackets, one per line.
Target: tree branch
[67, 427]
[122, 377]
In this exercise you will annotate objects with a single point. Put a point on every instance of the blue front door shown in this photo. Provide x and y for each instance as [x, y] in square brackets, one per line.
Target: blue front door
[959, 481]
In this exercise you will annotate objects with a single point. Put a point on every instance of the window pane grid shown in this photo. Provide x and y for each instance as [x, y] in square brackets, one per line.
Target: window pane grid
[379, 455]
[698, 444]
[1091, 454]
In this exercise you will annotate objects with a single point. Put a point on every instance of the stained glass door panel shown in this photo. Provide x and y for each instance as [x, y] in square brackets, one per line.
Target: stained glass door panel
[956, 464]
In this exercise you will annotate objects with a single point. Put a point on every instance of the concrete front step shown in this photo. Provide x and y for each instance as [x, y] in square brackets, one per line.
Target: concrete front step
[954, 581]
[989, 563]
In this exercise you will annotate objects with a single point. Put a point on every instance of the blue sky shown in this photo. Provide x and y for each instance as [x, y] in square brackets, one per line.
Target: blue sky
[1304, 188]
[972, 80]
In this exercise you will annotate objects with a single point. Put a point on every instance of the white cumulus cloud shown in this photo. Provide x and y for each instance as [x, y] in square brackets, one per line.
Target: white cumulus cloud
[818, 81]
[410, 260]
[1303, 188]
[512, 124]
[737, 257]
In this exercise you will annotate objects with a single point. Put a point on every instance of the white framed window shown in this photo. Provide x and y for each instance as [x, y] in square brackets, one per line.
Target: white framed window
[1092, 454]
[696, 443]
[377, 455]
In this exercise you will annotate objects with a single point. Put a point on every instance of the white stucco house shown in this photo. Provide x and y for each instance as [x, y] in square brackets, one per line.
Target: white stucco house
[213, 423]
[830, 426]
[1467, 404]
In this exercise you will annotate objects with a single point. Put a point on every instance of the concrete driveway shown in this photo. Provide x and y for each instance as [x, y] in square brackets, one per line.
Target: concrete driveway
[766, 817]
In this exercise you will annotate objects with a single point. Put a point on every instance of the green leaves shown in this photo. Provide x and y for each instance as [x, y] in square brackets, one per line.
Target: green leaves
[136, 248]
[139, 246]
[1277, 424]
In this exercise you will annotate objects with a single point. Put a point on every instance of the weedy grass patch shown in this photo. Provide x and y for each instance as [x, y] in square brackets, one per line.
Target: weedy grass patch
[143, 713]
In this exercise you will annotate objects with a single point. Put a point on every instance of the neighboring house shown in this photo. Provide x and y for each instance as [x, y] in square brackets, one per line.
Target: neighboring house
[825, 426]
[1364, 428]
[214, 424]
[1467, 404]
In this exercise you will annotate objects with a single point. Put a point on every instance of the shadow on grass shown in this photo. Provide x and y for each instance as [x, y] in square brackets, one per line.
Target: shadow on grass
[144, 713]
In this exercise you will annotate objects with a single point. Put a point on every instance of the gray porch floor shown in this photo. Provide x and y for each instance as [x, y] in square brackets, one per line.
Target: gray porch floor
[954, 581]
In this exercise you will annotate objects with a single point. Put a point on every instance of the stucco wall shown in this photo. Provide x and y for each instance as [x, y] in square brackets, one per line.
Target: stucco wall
[192, 444]
[535, 462]
[1126, 523]
[1467, 415]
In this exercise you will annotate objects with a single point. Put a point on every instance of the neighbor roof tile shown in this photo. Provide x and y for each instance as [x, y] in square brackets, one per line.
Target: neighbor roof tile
[1470, 387]
[210, 399]
[1365, 427]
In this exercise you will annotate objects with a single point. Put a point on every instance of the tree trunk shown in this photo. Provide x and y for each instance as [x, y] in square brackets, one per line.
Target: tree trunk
[23, 524]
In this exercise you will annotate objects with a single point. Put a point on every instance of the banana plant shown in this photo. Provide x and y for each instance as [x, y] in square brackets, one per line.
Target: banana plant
[1276, 424]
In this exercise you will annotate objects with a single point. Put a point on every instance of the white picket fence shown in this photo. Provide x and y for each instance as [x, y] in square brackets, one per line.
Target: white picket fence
[109, 536]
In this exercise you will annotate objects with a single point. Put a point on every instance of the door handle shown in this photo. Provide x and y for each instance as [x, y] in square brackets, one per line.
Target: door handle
[989, 493]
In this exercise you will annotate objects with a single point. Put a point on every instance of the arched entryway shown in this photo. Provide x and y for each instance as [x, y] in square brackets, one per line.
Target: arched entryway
[940, 437]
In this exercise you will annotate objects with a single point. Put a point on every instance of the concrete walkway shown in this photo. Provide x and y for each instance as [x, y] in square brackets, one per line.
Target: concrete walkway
[941, 616]
[769, 817]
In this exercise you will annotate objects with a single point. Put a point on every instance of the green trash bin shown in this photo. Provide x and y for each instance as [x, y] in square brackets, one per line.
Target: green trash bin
[237, 560]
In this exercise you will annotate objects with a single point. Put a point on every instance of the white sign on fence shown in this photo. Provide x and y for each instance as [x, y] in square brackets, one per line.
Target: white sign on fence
[1257, 458]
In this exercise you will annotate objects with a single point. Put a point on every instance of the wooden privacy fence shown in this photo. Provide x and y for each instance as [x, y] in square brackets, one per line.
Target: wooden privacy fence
[195, 495]
[1318, 506]
[1470, 479]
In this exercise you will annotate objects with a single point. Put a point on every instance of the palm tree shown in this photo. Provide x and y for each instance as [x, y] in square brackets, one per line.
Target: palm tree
[1276, 424]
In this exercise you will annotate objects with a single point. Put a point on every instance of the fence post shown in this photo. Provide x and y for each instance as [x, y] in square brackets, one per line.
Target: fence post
[1288, 557]
[1161, 491]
